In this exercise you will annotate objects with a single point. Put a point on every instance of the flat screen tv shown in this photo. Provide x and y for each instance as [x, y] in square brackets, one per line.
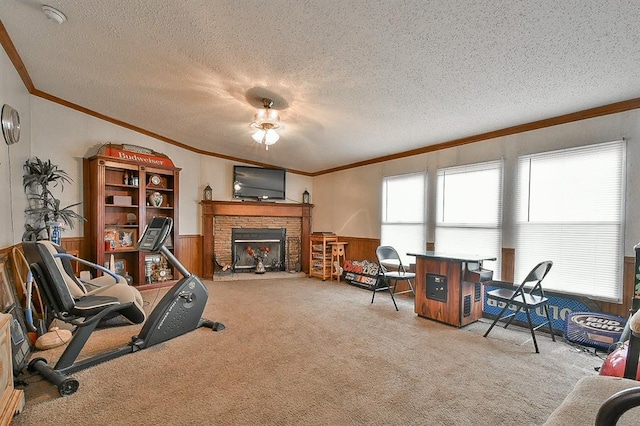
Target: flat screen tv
[258, 183]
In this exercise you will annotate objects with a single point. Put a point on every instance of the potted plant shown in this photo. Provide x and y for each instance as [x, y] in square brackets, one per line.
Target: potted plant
[44, 214]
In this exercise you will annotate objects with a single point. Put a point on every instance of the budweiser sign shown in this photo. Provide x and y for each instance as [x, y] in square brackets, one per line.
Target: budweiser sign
[141, 155]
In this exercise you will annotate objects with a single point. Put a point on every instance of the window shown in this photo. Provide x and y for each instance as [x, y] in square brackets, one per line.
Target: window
[469, 211]
[403, 214]
[570, 210]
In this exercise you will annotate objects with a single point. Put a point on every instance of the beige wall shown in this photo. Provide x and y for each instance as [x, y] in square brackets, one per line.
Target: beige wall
[348, 202]
[219, 175]
[66, 136]
[13, 92]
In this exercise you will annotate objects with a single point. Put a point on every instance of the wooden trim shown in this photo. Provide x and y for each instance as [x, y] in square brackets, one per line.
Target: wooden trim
[613, 108]
[507, 131]
[508, 264]
[15, 58]
[74, 243]
[252, 208]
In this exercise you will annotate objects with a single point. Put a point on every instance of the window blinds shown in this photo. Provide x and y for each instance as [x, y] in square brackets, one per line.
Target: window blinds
[469, 211]
[403, 214]
[570, 207]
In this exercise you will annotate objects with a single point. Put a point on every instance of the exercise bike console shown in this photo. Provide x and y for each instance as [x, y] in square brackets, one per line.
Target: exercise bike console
[155, 234]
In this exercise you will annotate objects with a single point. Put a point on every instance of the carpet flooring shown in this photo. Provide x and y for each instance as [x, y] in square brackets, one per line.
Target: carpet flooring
[301, 351]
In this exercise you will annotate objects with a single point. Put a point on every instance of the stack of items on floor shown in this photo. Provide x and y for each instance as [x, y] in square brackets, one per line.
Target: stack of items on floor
[362, 273]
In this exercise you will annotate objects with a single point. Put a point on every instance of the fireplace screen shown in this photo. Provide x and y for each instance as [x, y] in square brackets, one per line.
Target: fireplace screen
[250, 245]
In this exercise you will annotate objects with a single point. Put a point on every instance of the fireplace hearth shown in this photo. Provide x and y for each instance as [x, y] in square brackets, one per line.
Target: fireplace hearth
[247, 242]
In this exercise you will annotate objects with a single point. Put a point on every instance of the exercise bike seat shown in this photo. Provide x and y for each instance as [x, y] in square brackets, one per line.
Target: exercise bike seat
[87, 296]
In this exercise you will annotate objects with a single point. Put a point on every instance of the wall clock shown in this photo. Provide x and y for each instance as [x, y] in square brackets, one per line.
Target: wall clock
[10, 124]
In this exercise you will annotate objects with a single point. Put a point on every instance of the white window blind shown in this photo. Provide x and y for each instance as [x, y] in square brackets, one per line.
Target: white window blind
[469, 211]
[570, 211]
[404, 214]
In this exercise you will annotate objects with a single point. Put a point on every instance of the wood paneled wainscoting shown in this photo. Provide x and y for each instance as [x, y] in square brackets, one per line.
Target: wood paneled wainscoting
[360, 248]
[189, 247]
[622, 309]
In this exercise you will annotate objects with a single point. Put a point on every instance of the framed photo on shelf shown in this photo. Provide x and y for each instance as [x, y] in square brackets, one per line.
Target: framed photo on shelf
[119, 238]
[111, 236]
[127, 238]
[119, 266]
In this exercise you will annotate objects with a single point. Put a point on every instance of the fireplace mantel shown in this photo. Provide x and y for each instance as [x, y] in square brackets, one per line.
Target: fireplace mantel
[211, 209]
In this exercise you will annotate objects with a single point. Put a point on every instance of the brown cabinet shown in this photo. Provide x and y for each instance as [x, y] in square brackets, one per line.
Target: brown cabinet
[320, 250]
[121, 197]
[448, 287]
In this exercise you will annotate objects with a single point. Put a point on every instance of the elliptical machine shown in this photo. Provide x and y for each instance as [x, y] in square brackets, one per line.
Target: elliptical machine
[178, 312]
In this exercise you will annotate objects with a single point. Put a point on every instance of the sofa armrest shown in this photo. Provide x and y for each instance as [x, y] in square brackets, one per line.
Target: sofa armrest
[616, 405]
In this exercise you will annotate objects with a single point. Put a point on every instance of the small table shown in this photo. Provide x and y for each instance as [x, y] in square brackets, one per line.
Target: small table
[337, 251]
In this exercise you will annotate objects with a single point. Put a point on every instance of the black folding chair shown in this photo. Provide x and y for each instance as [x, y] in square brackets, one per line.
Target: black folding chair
[524, 298]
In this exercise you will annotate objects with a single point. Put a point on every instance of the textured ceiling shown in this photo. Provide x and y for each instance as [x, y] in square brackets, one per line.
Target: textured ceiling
[354, 80]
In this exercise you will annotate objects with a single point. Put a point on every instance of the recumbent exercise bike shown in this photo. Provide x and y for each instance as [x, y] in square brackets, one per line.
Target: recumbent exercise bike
[177, 313]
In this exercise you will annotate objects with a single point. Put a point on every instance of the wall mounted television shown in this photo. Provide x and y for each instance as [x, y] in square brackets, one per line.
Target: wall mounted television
[258, 183]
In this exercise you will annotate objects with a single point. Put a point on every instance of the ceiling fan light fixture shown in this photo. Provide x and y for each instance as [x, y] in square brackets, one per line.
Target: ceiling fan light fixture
[266, 122]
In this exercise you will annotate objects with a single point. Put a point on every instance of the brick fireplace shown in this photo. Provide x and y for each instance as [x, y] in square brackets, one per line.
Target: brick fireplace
[219, 218]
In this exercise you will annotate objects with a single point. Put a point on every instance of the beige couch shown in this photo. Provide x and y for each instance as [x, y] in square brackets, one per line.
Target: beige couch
[600, 400]
[581, 406]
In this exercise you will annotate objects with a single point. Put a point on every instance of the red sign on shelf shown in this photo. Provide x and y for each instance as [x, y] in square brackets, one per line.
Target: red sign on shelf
[154, 159]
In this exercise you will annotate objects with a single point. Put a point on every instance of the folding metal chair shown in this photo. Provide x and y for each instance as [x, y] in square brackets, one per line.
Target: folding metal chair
[391, 270]
[524, 299]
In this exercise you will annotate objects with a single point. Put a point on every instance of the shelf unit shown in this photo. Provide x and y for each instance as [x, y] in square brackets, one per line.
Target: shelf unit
[320, 250]
[117, 210]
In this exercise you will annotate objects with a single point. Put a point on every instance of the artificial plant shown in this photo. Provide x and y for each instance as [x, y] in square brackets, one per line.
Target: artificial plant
[43, 210]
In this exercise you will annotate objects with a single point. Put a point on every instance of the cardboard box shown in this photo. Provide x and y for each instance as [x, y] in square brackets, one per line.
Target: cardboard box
[119, 200]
